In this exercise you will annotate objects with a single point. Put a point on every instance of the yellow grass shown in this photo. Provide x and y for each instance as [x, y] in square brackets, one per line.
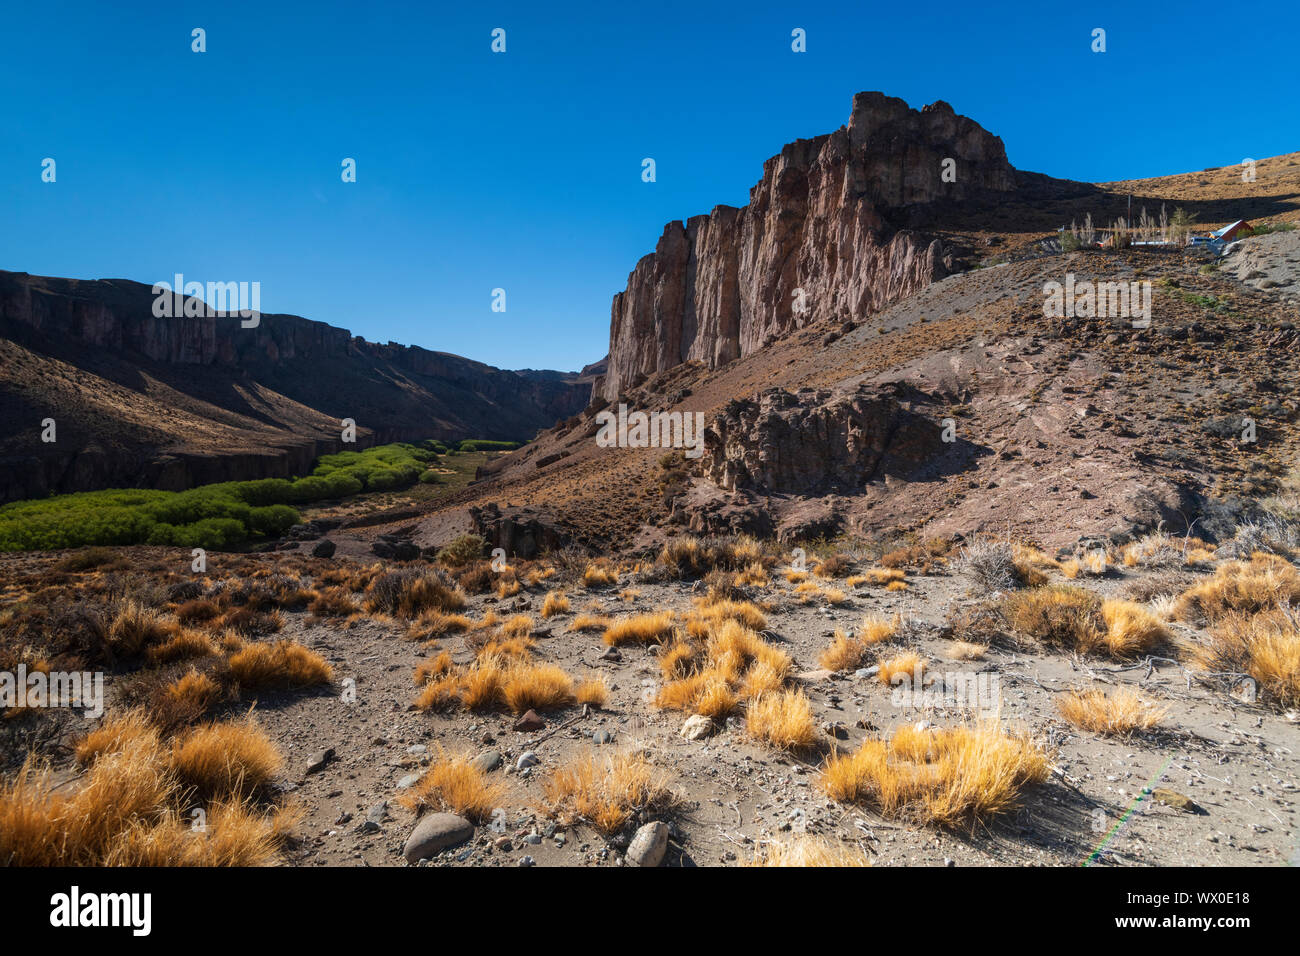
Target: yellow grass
[876, 628]
[226, 759]
[640, 629]
[754, 575]
[896, 586]
[884, 576]
[282, 664]
[599, 576]
[967, 650]
[605, 794]
[843, 654]
[185, 644]
[432, 667]
[1120, 713]
[432, 624]
[593, 691]
[1262, 583]
[589, 622]
[835, 596]
[941, 776]
[809, 851]
[135, 627]
[794, 577]
[454, 785]
[1266, 646]
[782, 720]
[537, 687]
[744, 612]
[1130, 629]
[909, 666]
[555, 603]
[131, 728]
[127, 810]
[192, 693]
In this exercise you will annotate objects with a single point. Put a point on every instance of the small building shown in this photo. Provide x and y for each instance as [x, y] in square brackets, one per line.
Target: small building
[1231, 232]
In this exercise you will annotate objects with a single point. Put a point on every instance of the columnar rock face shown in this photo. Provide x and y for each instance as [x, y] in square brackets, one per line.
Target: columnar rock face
[818, 441]
[816, 240]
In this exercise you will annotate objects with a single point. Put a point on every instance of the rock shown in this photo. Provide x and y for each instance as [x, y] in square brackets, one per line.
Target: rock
[526, 759]
[324, 549]
[602, 737]
[529, 722]
[1178, 801]
[720, 286]
[527, 861]
[836, 730]
[697, 727]
[377, 813]
[611, 654]
[410, 780]
[318, 760]
[649, 845]
[865, 673]
[435, 832]
[487, 761]
[405, 551]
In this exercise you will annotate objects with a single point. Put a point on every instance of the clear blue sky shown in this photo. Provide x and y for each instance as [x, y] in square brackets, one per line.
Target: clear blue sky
[523, 171]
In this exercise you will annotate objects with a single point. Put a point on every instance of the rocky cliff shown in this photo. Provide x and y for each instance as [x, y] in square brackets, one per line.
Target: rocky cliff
[823, 236]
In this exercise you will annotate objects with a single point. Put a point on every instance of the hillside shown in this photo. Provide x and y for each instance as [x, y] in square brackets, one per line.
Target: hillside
[175, 402]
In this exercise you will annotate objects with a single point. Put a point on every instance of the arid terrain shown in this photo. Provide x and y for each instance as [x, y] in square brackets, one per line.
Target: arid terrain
[951, 580]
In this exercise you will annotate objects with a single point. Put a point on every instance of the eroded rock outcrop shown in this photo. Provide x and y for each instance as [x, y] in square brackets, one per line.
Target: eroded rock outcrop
[815, 442]
[823, 219]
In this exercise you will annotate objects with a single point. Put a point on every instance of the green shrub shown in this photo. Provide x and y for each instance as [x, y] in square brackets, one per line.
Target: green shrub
[463, 550]
[483, 444]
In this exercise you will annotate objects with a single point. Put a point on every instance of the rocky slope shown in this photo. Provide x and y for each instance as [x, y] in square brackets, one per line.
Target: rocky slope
[823, 236]
[172, 402]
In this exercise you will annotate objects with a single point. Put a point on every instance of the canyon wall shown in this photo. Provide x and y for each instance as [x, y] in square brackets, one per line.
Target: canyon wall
[821, 220]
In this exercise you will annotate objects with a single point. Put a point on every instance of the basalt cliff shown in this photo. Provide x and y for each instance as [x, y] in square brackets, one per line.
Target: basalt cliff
[827, 233]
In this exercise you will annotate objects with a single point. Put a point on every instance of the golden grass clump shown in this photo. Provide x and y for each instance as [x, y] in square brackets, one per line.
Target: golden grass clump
[1118, 714]
[192, 693]
[1262, 583]
[720, 664]
[782, 720]
[967, 650]
[589, 622]
[130, 729]
[843, 654]
[126, 810]
[599, 575]
[640, 629]
[185, 644]
[1266, 646]
[794, 576]
[537, 687]
[433, 624]
[555, 603]
[809, 851]
[135, 627]
[454, 785]
[432, 667]
[876, 628]
[753, 575]
[907, 665]
[1130, 629]
[834, 596]
[724, 609]
[942, 776]
[227, 759]
[593, 691]
[605, 794]
[282, 664]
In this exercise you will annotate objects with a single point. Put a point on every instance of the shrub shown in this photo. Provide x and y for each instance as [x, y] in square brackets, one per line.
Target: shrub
[463, 550]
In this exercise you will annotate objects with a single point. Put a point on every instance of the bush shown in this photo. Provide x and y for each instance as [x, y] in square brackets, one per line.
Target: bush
[463, 550]
[482, 444]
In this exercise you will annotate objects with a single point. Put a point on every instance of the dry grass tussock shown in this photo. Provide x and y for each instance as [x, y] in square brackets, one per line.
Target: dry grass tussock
[943, 776]
[782, 720]
[605, 794]
[130, 807]
[281, 664]
[453, 784]
[640, 629]
[1241, 587]
[711, 669]
[809, 851]
[1120, 713]
[1265, 646]
[1076, 619]
[409, 592]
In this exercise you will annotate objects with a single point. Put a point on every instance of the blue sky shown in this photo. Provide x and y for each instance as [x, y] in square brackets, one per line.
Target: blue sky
[522, 170]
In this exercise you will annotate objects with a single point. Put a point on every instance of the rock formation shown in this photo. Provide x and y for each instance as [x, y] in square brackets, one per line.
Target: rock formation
[815, 442]
[823, 221]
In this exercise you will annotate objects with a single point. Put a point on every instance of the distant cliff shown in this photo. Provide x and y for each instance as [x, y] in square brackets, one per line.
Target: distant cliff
[171, 402]
[821, 220]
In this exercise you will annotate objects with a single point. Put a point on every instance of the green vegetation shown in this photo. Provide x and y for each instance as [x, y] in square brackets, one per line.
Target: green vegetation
[463, 550]
[480, 444]
[210, 516]
[1263, 229]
